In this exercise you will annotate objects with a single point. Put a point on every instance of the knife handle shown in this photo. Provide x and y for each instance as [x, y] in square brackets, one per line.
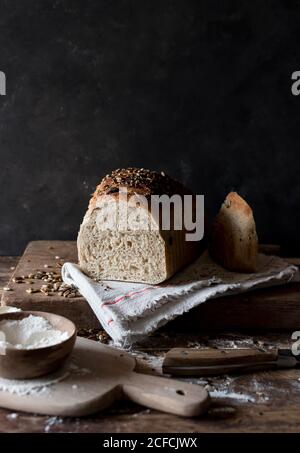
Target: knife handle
[211, 361]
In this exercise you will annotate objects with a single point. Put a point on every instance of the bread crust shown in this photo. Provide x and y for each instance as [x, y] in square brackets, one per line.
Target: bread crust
[233, 241]
[177, 251]
[138, 181]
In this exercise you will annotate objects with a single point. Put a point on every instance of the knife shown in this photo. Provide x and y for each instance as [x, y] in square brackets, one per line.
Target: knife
[213, 362]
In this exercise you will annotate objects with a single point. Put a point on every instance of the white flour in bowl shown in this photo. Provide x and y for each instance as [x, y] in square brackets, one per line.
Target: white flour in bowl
[29, 333]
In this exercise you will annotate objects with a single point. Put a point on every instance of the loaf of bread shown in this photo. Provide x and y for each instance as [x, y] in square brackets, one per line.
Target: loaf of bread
[108, 252]
[233, 241]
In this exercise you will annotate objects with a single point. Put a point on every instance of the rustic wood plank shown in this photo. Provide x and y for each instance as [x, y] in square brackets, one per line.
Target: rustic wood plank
[275, 410]
[264, 309]
[36, 256]
[295, 261]
[7, 266]
[269, 249]
[260, 309]
[273, 406]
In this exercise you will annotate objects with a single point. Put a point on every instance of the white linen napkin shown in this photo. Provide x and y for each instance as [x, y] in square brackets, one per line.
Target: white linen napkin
[130, 311]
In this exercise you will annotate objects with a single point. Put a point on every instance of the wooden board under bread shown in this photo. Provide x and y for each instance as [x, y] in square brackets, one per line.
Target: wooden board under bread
[38, 254]
[266, 309]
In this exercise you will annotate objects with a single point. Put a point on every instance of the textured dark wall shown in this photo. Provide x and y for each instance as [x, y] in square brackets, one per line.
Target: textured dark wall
[199, 89]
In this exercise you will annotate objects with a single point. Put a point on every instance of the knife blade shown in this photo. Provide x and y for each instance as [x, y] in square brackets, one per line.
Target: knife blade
[212, 362]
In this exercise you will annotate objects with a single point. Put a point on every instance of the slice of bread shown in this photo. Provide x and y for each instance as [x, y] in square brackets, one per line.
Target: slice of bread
[233, 242]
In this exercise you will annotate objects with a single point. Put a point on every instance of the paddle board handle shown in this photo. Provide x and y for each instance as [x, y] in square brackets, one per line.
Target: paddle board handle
[167, 395]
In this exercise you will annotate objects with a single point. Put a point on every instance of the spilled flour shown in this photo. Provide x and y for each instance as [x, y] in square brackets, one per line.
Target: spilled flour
[31, 386]
[234, 395]
[52, 421]
[44, 384]
[228, 387]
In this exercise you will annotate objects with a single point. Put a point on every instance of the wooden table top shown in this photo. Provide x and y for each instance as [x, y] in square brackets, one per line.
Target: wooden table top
[257, 402]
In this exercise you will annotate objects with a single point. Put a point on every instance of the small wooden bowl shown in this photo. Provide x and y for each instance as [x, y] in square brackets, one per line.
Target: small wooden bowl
[32, 363]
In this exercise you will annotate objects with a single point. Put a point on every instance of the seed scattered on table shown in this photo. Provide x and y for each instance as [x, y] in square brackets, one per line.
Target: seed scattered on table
[221, 412]
[52, 283]
[103, 337]
[31, 291]
[94, 334]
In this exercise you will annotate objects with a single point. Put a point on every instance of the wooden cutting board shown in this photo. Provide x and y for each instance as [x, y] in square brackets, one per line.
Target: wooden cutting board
[265, 309]
[101, 375]
[38, 254]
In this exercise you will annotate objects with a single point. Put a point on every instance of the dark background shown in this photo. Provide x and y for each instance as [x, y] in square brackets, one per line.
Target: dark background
[199, 89]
